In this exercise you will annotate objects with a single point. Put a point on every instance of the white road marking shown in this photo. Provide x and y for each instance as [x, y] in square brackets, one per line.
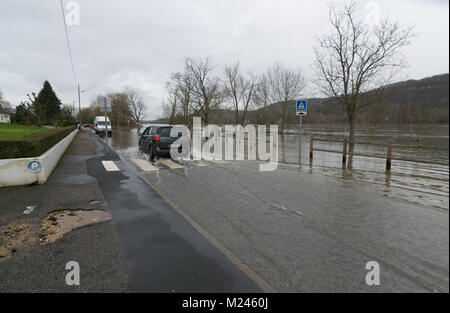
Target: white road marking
[29, 209]
[219, 161]
[110, 166]
[170, 164]
[201, 164]
[144, 165]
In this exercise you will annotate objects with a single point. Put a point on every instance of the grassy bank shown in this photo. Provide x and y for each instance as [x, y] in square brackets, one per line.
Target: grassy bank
[17, 141]
[14, 131]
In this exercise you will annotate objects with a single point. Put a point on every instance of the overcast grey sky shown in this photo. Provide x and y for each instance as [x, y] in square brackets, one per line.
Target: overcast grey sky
[138, 43]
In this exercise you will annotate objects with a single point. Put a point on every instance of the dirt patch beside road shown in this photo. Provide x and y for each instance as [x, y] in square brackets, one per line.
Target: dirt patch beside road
[14, 236]
[59, 223]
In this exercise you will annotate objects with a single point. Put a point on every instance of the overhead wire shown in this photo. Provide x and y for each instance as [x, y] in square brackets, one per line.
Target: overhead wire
[68, 42]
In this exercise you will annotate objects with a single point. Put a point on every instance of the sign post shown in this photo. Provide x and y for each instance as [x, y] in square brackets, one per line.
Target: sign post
[301, 109]
[105, 106]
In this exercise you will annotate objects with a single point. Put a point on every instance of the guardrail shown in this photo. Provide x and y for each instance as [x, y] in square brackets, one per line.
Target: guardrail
[345, 153]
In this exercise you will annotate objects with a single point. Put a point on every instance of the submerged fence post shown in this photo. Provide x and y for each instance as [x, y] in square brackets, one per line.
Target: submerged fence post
[311, 149]
[389, 155]
[344, 153]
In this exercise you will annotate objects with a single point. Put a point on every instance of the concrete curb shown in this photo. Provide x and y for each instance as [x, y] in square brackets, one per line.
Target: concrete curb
[25, 171]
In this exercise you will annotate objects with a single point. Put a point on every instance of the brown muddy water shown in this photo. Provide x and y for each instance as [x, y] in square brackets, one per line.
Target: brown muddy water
[420, 170]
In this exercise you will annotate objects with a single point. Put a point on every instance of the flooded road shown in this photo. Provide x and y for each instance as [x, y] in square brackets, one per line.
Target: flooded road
[425, 182]
[306, 229]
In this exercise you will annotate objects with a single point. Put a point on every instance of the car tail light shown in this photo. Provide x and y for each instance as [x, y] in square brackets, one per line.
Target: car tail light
[157, 138]
[188, 138]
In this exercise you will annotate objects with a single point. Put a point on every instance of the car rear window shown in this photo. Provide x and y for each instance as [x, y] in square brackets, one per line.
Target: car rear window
[164, 131]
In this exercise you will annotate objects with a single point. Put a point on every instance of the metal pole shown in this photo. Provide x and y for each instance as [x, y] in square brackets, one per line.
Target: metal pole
[106, 126]
[300, 140]
[79, 107]
[389, 155]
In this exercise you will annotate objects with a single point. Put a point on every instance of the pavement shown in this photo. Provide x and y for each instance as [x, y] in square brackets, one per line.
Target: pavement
[148, 246]
[97, 248]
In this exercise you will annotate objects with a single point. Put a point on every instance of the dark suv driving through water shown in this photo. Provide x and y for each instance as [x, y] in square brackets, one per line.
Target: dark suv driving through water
[156, 140]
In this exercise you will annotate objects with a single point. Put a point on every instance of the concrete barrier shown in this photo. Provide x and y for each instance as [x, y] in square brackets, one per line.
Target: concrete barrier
[25, 171]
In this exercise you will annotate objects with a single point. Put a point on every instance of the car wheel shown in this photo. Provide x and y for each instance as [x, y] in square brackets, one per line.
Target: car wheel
[151, 155]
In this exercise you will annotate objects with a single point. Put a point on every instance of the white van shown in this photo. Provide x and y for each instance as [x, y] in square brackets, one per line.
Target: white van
[102, 125]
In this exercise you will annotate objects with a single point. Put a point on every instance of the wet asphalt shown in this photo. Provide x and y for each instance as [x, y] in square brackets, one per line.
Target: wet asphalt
[163, 252]
[146, 247]
[96, 247]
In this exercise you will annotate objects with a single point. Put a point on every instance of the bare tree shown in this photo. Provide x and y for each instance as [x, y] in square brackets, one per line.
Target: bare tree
[355, 63]
[35, 108]
[68, 111]
[284, 86]
[136, 105]
[183, 93]
[120, 108]
[5, 105]
[207, 94]
[262, 111]
[170, 103]
[240, 90]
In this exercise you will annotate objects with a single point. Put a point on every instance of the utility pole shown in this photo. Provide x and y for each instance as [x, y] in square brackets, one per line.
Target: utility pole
[79, 108]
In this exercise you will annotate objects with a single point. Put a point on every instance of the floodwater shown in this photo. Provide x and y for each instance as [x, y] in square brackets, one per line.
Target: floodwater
[313, 228]
[419, 173]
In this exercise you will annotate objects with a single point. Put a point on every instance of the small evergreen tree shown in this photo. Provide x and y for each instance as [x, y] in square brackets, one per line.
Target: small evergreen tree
[47, 104]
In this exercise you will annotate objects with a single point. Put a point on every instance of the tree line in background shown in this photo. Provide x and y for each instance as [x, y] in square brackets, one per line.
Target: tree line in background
[127, 109]
[354, 67]
[196, 91]
[45, 108]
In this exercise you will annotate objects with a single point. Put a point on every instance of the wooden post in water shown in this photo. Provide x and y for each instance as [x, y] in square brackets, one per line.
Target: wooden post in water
[311, 149]
[344, 154]
[389, 155]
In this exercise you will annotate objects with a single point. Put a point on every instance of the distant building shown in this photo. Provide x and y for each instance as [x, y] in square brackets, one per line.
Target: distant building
[4, 117]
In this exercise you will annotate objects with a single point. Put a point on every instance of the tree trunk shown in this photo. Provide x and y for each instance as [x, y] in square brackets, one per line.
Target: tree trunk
[351, 135]
[283, 117]
[244, 114]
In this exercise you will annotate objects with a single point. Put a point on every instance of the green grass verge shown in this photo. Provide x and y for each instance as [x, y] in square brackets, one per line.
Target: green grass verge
[14, 131]
[33, 144]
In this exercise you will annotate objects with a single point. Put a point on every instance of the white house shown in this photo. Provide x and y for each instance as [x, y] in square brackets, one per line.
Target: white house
[4, 117]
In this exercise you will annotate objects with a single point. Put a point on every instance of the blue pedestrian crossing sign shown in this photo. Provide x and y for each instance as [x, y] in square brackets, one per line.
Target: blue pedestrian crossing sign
[301, 107]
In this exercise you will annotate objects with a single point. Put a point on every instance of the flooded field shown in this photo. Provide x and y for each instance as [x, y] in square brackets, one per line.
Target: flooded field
[420, 170]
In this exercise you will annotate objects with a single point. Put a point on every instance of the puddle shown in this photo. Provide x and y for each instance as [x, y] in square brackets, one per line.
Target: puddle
[59, 223]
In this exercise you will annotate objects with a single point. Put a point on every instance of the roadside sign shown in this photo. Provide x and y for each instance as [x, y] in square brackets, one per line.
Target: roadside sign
[34, 166]
[301, 107]
[104, 103]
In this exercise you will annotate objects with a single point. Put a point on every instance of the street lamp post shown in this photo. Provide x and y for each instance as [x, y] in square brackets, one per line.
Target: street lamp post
[79, 108]
[79, 105]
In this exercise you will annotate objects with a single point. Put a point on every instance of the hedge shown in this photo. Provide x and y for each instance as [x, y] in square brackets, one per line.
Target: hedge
[33, 145]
